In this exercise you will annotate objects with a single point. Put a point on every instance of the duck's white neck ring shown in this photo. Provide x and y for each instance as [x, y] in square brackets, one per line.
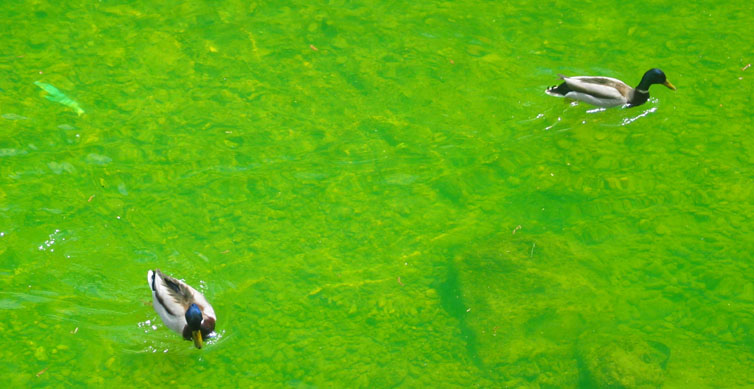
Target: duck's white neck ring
[642, 91]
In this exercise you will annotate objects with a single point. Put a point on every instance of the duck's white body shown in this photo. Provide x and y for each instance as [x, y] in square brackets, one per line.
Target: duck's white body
[600, 91]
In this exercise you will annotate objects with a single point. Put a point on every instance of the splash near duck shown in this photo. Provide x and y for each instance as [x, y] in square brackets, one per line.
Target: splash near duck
[54, 94]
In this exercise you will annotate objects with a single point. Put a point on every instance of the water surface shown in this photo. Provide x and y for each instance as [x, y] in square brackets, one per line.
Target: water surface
[377, 194]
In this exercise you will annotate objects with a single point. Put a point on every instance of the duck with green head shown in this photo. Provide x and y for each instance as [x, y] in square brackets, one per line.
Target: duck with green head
[182, 308]
[608, 92]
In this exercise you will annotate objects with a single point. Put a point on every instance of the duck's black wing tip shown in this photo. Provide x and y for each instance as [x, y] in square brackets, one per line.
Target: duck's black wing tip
[558, 90]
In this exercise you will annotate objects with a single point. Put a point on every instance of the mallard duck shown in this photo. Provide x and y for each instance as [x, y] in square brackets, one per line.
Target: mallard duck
[608, 92]
[181, 307]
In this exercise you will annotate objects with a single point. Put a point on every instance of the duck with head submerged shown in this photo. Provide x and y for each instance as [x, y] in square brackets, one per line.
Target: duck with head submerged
[182, 308]
[608, 92]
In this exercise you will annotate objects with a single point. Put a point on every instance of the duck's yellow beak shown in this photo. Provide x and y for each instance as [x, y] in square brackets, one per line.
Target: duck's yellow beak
[668, 84]
[197, 337]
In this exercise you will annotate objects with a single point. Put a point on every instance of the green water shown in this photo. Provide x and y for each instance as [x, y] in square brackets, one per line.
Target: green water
[377, 194]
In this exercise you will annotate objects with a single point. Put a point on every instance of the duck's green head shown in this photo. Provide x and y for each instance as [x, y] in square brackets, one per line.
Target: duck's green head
[194, 322]
[654, 76]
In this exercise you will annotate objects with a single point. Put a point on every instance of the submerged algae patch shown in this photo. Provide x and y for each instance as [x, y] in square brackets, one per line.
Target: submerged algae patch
[525, 312]
[451, 297]
[621, 361]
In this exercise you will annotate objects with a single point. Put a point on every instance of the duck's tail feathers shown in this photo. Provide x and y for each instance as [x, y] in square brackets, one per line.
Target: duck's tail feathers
[558, 90]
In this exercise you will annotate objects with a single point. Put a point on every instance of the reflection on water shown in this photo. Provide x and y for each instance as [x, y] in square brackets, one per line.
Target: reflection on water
[630, 120]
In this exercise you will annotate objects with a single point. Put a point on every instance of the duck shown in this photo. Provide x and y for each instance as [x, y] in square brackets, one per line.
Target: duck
[182, 308]
[608, 92]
